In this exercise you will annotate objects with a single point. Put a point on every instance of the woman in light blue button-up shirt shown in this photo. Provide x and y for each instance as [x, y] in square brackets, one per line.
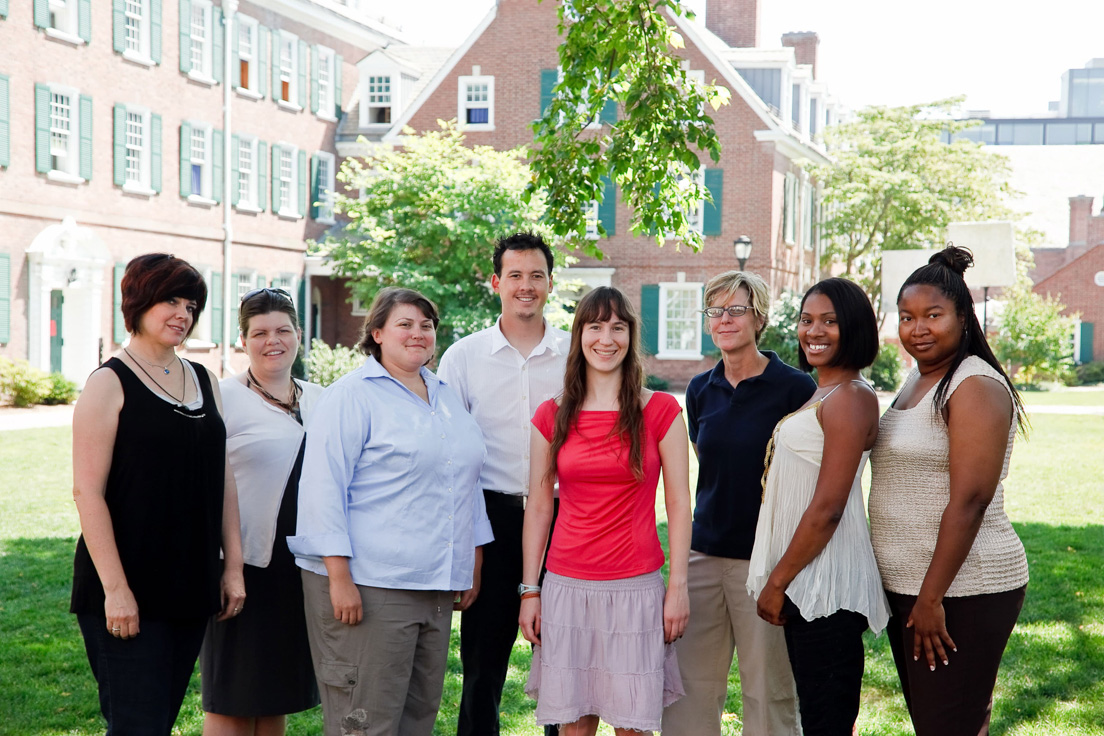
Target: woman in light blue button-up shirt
[391, 518]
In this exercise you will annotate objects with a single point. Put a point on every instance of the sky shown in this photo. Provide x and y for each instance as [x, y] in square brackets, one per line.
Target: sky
[1005, 57]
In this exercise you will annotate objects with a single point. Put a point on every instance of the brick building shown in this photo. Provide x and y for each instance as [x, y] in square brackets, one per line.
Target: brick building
[112, 140]
[1075, 275]
[498, 81]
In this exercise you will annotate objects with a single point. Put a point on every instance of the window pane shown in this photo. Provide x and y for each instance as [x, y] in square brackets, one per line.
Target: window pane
[379, 90]
[1027, 134]
[478, 115]
[199, 37]
[285, 179]
[245, 172]
[133, 25]
[682, 320]
[1059, 134]
[245, 40]
[59, 124]
[197, 180]
[134, 142]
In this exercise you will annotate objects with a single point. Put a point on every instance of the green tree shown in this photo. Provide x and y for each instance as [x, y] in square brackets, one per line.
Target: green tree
[893, 183]
[428, 220]
[623, 55]
[780, 334]
[1033, 336]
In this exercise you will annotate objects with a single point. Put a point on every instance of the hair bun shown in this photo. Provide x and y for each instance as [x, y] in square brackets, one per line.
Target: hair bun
[955, 258]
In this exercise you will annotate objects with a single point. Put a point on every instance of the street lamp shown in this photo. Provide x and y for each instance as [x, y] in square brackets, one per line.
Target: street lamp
[742, 248]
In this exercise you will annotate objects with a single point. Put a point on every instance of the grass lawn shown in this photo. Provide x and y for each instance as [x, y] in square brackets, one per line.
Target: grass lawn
[1051, 682]
[1063, 396]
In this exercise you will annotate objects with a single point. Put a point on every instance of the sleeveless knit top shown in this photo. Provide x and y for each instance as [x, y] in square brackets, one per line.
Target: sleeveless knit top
[910, 489]
[164, 493]
[844, 576]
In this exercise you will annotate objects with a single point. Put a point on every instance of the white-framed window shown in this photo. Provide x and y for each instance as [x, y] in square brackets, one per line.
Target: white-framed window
[379, 99]
[789, 208]
[63, 21]
[475, 102]
[680, 321]
[200, 33]
[326, 78]
[249, 51]
[288, 69]
[326, 163]
[695, 217]
[592, 220]
[137, 150]
[136, 29]
[286, 174]
[201, 162]
[248, 173]
[64, 132]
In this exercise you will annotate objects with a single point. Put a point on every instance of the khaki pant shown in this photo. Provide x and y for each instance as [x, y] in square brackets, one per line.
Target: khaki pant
[391, 665]
[723, 618]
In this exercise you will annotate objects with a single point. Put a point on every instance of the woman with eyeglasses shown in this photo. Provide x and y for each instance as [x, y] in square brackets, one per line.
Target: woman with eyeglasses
[731, 411]
[257, 667]
[157, 503]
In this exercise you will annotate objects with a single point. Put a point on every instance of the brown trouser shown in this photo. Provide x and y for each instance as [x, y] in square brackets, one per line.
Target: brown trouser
[391, 665]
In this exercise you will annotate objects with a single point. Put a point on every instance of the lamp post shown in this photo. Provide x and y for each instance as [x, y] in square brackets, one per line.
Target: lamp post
[742, 248]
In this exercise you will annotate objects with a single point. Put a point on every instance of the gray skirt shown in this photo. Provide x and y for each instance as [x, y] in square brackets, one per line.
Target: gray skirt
[602, 653]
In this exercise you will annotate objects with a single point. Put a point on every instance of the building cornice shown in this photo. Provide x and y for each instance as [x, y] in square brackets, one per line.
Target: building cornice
[334, 20]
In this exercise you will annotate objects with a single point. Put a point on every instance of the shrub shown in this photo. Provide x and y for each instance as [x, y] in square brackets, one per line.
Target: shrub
[781, 332]
[655, 383]
[885, 372]
[1090, 373]
[62, 390]
[325, 364]
[22, 383]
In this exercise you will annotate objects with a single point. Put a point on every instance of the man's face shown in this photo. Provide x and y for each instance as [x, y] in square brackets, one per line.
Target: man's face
[524, 285]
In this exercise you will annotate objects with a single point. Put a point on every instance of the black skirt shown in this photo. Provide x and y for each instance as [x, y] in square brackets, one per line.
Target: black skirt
[259, 663]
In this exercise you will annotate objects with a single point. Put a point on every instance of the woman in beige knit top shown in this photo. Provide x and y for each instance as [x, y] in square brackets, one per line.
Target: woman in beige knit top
[954, 570]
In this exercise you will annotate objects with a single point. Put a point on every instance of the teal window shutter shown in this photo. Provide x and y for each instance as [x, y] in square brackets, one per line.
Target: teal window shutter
[649, 322]
[276, 66]
[302, 304]
[217, 31]
[275, 178]
[184, 16]
[118, 25]
[235, 57]
[5, 120]
[185, 159]
[42, 13]
[314, 188]
[707, 345]
[301, 174]
[337, 85]
[216, 307]
[711, 220]
[5, 298]
[43, 161]
[217, 167]
[608, 116]
[235, 170]
[260, 55]
[302, 73]
[548, 80]
[235, 279]
[3, 8]
[85, 137]
[120, 144]
[262, 164]
[155, 153]
[155, 31]
[1086, 340]
[84, 20]
[314, 78]
[119, 324]
[607, 208]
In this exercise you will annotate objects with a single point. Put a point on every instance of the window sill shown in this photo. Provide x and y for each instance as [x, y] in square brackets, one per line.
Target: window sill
[679, 356]
[195, 343]
[202, 78]
[290, 106]
[477, 127]
[327, 118]
[64, 177]
[285, 215]
[139, 189]
[138, 58]
[64, 37]
[201, 201]
[325, 220]
[248, 93]
[248, 208]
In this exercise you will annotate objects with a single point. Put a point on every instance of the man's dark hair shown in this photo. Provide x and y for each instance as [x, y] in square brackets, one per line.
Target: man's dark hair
[521, 241]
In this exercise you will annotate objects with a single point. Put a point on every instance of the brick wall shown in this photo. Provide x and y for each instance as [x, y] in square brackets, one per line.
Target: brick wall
[735, 21]
[1074, 285]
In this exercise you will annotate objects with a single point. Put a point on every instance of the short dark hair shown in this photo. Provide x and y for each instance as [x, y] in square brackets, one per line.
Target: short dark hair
[858, 325]
[157, 277]
[265, 301]
[380, 311]
[521, 241]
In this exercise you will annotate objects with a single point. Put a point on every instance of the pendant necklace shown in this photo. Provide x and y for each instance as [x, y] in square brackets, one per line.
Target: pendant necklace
[289, 406]
[183, 387]
[164, 368]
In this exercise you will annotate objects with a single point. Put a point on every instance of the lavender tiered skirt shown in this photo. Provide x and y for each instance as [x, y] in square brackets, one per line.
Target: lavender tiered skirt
[603, 653]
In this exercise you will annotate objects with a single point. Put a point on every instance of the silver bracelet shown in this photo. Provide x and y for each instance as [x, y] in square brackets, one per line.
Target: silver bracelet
[523, 589]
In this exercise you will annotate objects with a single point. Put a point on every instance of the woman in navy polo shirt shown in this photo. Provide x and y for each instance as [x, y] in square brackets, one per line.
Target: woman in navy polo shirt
[731, 411]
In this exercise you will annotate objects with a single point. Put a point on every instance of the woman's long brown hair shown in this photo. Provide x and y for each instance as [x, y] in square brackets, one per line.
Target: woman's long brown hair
[601, 305]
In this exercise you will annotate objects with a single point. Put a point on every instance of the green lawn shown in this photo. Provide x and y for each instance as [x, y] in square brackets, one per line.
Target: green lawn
[1052, 679]
[1062, 396]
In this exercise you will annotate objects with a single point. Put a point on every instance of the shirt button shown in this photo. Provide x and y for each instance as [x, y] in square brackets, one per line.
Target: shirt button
[442, 436]
[450, 490]
[433, 413]
[449, 462]
[450, 544]
[450, 517]
[523, 398]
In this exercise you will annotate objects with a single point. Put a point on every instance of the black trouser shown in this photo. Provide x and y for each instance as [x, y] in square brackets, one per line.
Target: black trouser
[826, 655]
[489, 628]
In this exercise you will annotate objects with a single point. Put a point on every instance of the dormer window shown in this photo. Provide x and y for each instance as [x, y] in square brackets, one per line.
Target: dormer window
[379, 100]
[475, 102]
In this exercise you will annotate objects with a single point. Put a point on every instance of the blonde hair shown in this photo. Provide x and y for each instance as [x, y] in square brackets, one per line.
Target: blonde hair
[724, 286]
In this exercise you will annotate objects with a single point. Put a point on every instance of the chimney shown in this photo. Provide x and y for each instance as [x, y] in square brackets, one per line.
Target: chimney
[804, 45]
[1080, 214]
[736, 22]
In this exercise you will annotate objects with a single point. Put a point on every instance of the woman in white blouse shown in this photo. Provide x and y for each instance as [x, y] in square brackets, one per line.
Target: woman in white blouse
[812, 569]
[257, 667]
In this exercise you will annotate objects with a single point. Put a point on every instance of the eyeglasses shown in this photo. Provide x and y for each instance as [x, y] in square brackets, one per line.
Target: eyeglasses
[278, 293]
[737, 310]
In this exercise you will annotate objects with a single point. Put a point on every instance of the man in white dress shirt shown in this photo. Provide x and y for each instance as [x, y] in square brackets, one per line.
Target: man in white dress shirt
[502, 374]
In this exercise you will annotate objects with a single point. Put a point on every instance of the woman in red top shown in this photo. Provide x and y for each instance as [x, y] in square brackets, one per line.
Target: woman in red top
[604, 627]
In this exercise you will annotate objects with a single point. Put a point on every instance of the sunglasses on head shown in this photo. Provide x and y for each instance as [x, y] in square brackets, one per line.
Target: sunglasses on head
[276, 292]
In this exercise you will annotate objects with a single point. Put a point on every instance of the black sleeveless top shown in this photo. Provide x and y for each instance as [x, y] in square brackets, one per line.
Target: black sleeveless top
[164, 492]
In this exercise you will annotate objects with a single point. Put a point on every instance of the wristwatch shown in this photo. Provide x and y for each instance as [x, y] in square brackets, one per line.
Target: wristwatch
[523, 589]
